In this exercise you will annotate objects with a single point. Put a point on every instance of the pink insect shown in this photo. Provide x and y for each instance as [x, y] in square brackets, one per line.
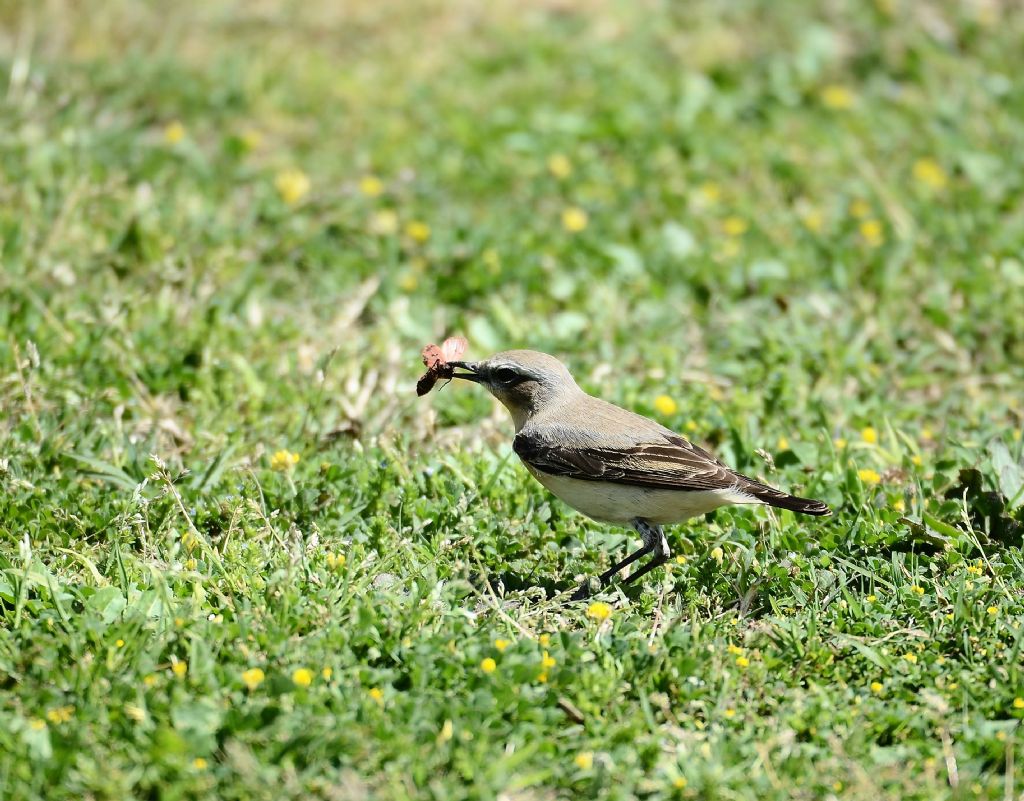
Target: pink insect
[437, 361]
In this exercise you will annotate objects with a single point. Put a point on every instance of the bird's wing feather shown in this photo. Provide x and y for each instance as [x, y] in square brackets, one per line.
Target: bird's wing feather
[667, 461]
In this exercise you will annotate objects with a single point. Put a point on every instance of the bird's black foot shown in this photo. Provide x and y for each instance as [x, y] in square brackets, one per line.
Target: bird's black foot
[654, 543]
[586, 589]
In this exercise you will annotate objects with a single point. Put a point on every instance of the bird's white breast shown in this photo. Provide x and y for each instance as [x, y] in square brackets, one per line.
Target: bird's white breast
[611, 502]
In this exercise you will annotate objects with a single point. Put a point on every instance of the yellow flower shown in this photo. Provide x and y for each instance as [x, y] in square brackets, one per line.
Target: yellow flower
[190, 564]
[742, 661]
[717, 554]
[544, 640]
[488, 665]
[283, 460]
[119, 643]
[730, 712]
[60, 714]
[876, 687]
[782, 444]
[665, 405]
[680, 560]
[251, 139]
[930, 173]
[335, 560]
[136, 713]
[735, 650]
[447, 730]
[599, 610]
[418, 231]
[729, 249]
[253, 677]
[501, 645]
[869, 435]
[679, 783]
[179, 669]
[371, 185]
[899, 505]
[917, 590]
[837, 97]
[542, 677]
[559, 165]
[710, 192]
[584, 760]
[871, 232]
[199, 763]
[860, 208]
[150, 679]
[1018, 703]
[734, 226]
[326, 673]
[911, 658]
[916, 460]
[292, 185]
[871, 598]
[691, 425]
[408, 282]
[869, 476]
[376, 694]
[302, 677]
[813, 220]
[974, 570]
[574, 219]
[38, 724]
[174, 132]
[384, 222]
[993, 610]
[547, 661]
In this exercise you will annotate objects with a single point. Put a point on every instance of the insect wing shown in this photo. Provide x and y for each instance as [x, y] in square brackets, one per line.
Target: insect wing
[453, 347]
[433, 357]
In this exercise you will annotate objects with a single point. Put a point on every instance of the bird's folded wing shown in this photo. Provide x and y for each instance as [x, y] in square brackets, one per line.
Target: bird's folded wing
[668, 462]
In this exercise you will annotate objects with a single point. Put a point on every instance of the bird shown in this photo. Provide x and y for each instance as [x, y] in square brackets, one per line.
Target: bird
[611, 464]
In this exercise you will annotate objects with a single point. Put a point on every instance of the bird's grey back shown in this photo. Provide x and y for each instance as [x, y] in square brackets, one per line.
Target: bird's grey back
[616, 427]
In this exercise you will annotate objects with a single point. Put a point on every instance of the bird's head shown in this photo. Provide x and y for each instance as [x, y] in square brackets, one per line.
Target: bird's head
[525, 381]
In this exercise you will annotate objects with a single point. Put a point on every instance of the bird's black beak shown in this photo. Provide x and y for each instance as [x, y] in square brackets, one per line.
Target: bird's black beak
[472, 375]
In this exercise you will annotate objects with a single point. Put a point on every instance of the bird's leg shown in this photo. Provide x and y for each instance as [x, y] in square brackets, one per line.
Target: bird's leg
[655, 542]
[606, 577]
[610, 572]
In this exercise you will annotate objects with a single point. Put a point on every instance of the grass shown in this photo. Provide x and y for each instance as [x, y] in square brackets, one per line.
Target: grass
[228, 228]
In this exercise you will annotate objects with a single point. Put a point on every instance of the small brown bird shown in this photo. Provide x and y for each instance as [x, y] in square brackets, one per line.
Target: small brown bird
[611, 464]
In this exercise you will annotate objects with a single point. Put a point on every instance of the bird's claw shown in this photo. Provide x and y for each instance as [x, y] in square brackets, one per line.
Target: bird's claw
[586, 589]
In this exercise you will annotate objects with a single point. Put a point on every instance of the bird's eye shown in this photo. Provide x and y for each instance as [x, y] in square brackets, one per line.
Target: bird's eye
[505, 375]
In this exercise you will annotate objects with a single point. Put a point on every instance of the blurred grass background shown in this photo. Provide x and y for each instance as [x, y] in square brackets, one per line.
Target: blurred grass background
[228, 228]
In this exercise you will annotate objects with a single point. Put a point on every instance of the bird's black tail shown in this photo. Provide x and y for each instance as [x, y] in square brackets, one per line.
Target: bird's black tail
[783, 500]
[807, 506]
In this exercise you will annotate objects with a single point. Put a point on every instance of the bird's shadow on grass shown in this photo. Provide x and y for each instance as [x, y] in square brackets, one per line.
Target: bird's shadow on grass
[509, 581]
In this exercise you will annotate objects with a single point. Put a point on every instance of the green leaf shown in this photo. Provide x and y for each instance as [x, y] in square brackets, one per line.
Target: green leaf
[97, 468]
